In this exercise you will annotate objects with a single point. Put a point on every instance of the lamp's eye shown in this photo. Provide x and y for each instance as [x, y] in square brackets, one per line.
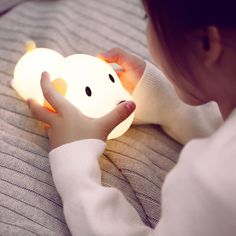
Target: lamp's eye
[111, 78]
[88, 91]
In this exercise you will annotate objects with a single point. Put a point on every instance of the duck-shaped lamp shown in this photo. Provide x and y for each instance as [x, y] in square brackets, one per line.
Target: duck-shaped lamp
[88, 82]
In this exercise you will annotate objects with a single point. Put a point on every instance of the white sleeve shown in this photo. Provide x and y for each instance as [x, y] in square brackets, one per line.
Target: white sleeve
[89, 208]
[157, 103]
[198, 197]
[199, 193]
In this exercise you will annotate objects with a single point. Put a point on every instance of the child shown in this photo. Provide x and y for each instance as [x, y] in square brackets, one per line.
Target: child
[194, 44]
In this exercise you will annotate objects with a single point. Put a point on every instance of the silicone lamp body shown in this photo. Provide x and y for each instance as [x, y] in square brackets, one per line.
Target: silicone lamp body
[87, 82]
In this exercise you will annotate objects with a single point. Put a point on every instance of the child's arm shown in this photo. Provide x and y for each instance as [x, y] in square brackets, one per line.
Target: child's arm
[76, 142]
[157, 102]
[197, 196]
[89, 208]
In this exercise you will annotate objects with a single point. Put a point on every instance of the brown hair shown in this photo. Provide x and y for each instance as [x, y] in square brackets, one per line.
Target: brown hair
[173, 20]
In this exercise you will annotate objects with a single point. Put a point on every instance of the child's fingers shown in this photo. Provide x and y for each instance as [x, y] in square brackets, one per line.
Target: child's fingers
[119, 72]
[117, 115]
[118, 56]
[40, 112]
[57, 101]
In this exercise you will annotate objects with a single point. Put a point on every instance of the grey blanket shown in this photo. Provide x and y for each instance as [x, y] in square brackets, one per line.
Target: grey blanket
[135, 163]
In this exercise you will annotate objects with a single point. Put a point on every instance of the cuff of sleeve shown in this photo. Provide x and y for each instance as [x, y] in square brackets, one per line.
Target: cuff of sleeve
[150, 78]
[75, 162]
[84, 144]
[149, 95]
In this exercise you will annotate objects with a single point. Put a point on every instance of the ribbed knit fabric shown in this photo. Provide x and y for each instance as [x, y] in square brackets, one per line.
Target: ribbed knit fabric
[198, 195]
[135, 163]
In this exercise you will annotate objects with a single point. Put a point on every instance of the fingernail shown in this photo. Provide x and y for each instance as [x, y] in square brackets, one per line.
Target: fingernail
[130, 105]
[44, 74]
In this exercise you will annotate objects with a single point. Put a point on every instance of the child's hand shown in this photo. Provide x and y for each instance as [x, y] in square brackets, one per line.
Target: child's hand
[132, 67]
[68, 124]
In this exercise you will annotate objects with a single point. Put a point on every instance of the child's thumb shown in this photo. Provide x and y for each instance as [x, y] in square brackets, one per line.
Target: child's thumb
[117, 115]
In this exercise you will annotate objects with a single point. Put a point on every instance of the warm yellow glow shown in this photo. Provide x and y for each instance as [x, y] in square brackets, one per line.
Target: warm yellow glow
[28, 71]
[30, 46]
[87, 82]
[60, 86]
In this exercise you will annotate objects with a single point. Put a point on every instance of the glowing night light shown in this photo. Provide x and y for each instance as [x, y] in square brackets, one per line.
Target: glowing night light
[87, 82]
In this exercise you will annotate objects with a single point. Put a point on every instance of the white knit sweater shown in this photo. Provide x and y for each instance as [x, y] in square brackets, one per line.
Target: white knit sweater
[198, 196]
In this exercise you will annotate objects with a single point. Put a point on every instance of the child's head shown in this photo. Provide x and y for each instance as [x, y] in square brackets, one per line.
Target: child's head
[194, 43]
